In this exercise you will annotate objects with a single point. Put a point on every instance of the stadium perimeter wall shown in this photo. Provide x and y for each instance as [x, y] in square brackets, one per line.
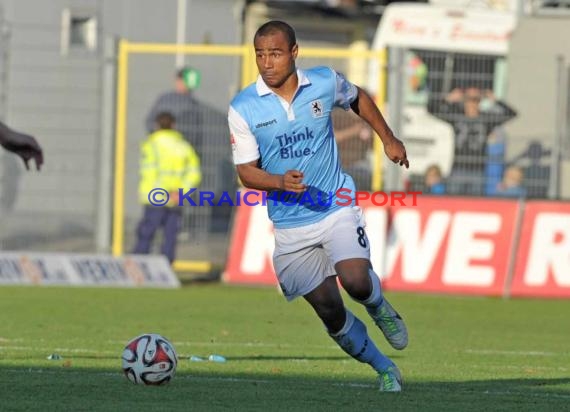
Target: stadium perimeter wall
[54, 84]
[452, 245]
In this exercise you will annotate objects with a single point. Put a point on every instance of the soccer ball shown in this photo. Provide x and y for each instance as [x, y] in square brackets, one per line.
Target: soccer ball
[149, 359]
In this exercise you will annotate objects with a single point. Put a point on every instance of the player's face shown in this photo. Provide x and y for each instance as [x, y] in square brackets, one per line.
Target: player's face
[275, 59]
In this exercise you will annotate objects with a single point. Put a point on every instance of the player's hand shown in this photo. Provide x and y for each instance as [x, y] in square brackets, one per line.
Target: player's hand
[396, 152]
[26, 147]
[293, 181]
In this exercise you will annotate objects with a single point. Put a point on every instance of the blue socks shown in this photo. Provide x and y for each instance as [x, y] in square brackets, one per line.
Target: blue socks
[354, 340]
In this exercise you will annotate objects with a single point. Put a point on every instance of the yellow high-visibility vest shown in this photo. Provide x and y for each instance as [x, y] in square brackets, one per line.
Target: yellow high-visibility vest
[168, 162]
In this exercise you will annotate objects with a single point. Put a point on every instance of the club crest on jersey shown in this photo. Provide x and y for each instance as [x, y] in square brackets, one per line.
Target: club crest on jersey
[317, 108]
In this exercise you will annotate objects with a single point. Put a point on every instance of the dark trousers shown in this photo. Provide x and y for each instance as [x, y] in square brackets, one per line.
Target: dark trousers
[155, 217]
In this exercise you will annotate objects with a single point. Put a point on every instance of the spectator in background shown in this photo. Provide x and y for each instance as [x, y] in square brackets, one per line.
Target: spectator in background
[472, 128]
[22, 145]
[168, 162]
[536, 169]
[433, 181]
[182, 104]
[512, 184]
[495, 165]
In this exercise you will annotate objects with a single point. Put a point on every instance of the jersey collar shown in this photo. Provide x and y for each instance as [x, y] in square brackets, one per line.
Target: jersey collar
[263, 89]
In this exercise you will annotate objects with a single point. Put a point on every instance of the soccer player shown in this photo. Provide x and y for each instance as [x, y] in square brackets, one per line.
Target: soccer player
[282, 140]
[21, 144]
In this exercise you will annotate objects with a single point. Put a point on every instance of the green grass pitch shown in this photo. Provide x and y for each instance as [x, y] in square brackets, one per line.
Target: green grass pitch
[465, 353]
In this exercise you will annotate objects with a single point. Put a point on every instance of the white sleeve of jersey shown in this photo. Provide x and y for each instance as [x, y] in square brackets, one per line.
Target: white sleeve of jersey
[244, 145]
[346, 92]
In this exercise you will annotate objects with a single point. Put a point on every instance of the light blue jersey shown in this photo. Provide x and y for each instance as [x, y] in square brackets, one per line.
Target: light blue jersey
[297, 136]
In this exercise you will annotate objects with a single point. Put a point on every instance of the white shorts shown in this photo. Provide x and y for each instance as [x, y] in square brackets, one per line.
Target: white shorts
[305, 256]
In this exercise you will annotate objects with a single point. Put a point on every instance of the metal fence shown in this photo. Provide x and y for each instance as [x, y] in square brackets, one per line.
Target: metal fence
[68, 102]
[56, 98]
[204, 233]
[451, 110]
[67, 99]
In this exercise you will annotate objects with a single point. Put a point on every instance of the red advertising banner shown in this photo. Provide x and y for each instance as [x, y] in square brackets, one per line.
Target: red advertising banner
[449, 245]
[251, 248]
[443, 245]
[542, 267]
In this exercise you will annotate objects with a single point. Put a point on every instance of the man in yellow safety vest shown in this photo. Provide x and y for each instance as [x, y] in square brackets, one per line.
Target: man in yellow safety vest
[168, 163]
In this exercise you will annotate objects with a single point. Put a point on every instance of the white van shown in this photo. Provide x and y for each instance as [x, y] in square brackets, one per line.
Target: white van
[442, 47]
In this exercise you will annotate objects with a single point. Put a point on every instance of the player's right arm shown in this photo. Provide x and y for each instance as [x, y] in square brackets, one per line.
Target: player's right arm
[247, 157]
[253, 177]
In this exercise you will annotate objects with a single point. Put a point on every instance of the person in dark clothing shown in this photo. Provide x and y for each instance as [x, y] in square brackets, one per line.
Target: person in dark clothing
[461, 108]
[185, 108]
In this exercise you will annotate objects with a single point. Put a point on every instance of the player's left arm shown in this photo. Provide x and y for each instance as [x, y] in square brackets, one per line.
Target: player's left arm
[364, 106]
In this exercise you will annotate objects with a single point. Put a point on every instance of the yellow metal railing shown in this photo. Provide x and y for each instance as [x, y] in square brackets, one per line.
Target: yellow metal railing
[125, 50]
[248, 75]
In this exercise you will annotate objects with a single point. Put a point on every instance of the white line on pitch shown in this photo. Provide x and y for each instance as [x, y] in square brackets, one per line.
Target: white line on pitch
[189, 343]
[514, 352]
[305, 383]
[64, 350]
[242, 344]
[519, 367]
